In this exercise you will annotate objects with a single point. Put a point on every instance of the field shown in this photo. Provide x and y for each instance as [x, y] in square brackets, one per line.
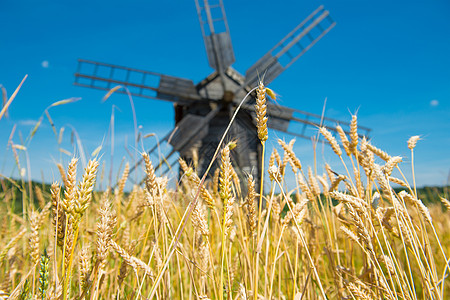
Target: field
[330, 236]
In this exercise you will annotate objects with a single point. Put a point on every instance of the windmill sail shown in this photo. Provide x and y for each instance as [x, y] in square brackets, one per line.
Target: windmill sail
[140, 83]
[216, 34]
[190, 128]
[291, 47]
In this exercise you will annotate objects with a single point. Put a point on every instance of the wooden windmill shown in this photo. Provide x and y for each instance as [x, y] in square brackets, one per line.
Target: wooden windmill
[203, 110]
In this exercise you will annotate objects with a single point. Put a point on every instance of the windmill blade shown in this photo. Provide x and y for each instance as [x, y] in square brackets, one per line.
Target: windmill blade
[216, 34]
[191, 129]
[291, 47]
[301, 123]
[140, 83]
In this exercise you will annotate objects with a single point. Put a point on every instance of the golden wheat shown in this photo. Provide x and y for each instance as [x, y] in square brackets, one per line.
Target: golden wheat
[349, 236]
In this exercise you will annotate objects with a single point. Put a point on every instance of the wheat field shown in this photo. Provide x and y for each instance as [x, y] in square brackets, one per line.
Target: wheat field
[329, 236]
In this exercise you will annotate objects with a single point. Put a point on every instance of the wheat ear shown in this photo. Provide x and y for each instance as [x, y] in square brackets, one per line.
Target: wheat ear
[193, 177]
[353, 134]
[34, 237]
[413, 141]
[199, 220]
[295, 162]
[104, 232]
[150, 181]
[44, 275]
[331, 140]
[59, 217]
[378, 152]
[344, 140]
[445, 202]
[261, 111]
[84, 263]
[123, 179]
[62, 172]
[68, 201]
[85, 189]
[251, 205]
[132, 261]
[12, 243]
[225, 188]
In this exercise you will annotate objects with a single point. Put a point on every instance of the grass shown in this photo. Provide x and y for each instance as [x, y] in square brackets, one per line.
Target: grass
[334, 236]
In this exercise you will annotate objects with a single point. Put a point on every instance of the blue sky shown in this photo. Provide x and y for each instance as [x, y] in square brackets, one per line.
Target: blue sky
[388, 60]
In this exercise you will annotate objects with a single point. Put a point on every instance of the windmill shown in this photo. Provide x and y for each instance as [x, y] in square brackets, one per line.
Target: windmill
[203, 110]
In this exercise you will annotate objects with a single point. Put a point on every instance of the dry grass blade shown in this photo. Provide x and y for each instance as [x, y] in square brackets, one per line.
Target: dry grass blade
[96, 151]
[19, 147]
[52, 124]
[5, 107]
[35, 128]
[64, 151]
[65, 101]
[5, 98]
[111, 91]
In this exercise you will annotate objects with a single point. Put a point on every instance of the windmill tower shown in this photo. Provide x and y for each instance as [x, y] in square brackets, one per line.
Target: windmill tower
[203, 110]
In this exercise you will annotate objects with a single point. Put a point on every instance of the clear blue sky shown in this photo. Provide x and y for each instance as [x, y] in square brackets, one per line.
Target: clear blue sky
[390, 60]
